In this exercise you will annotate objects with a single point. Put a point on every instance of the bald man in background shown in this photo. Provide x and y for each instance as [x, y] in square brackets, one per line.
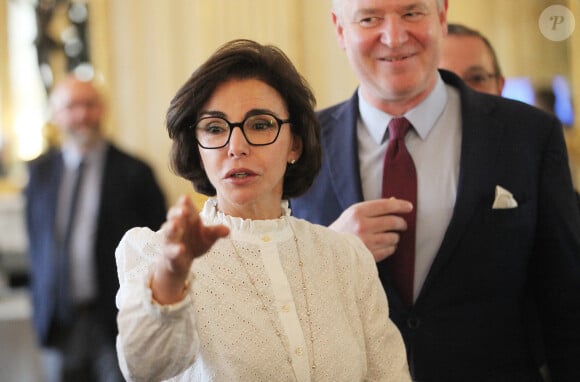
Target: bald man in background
[72, 254]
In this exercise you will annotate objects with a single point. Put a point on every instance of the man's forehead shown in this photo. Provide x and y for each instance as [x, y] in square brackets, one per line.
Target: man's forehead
[376, 4]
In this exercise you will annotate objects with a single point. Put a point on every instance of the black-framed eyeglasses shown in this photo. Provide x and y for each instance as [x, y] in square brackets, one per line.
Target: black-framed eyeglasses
[259, 130]
[479, 78]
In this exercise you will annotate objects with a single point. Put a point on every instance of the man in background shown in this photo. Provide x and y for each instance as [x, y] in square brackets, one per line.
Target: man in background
[81, 199]
[493, 219]
[470, 55]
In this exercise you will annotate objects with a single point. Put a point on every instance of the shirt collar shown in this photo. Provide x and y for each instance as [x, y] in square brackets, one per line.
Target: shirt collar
[72, 156]
[423, 117]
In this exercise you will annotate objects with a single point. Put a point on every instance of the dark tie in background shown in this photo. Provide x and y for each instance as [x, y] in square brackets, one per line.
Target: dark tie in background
[400, 181]
[64, 302]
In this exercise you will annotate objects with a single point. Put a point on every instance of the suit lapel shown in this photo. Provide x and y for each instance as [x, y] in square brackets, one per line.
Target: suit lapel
[341, 153]
[54, 174]
[109, 171]
[481, 140]
[108, 189]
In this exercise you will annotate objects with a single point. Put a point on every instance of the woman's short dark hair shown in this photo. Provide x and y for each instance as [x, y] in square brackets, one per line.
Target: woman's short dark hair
[245, 59]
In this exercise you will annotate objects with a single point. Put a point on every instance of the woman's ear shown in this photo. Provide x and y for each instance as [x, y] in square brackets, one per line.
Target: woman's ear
[295, 150]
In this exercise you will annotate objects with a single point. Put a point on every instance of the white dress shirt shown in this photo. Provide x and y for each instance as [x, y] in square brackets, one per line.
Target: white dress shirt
[82, 270]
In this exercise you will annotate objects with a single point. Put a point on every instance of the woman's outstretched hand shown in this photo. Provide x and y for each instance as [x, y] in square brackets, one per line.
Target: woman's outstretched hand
[186, 238]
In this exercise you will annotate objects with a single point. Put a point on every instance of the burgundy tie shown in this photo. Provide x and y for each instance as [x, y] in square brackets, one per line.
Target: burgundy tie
[400, 181]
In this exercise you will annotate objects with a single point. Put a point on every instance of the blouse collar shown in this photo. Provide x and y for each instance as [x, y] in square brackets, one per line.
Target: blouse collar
[212, 216]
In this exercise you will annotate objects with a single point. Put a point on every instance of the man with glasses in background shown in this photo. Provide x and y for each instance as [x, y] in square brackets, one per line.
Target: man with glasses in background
[471, 56]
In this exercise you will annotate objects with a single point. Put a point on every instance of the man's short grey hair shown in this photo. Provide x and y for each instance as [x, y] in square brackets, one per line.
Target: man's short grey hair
[336, 5]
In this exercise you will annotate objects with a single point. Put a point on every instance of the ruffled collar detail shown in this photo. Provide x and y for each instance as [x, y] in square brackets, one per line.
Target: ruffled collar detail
[248, 229]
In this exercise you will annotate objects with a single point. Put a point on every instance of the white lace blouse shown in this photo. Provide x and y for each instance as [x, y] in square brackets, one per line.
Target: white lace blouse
[244, 317]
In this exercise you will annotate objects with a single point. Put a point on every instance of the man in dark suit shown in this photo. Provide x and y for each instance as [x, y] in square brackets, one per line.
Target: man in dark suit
[72, 258]
[496, 220]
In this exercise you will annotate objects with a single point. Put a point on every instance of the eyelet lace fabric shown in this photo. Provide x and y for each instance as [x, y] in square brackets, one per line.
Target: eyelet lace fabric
[221, 331]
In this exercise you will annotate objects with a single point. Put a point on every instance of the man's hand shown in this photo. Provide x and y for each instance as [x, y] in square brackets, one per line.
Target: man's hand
[376, 223]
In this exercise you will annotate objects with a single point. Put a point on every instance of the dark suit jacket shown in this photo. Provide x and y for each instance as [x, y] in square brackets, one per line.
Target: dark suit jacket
[469, 320]
[130, 197]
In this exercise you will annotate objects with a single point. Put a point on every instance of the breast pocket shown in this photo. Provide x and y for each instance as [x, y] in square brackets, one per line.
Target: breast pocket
[511, 229]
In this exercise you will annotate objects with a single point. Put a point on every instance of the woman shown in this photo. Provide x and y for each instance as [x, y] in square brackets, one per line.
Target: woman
[242, 291]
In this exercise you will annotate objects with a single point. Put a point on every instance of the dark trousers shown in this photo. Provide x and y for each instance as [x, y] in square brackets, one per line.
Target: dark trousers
[81, 351]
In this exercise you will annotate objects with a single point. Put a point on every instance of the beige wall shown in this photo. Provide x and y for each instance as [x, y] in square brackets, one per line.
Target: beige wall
[513, 31]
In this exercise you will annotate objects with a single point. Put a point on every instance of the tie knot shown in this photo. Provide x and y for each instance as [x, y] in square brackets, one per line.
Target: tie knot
[398, 127]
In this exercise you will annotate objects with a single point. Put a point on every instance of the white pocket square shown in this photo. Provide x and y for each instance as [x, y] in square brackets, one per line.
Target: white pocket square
[503, 199]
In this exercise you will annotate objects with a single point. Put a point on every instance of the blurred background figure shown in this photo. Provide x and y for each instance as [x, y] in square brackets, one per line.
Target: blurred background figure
[81, 198]
[545, 99]
[469, 54]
